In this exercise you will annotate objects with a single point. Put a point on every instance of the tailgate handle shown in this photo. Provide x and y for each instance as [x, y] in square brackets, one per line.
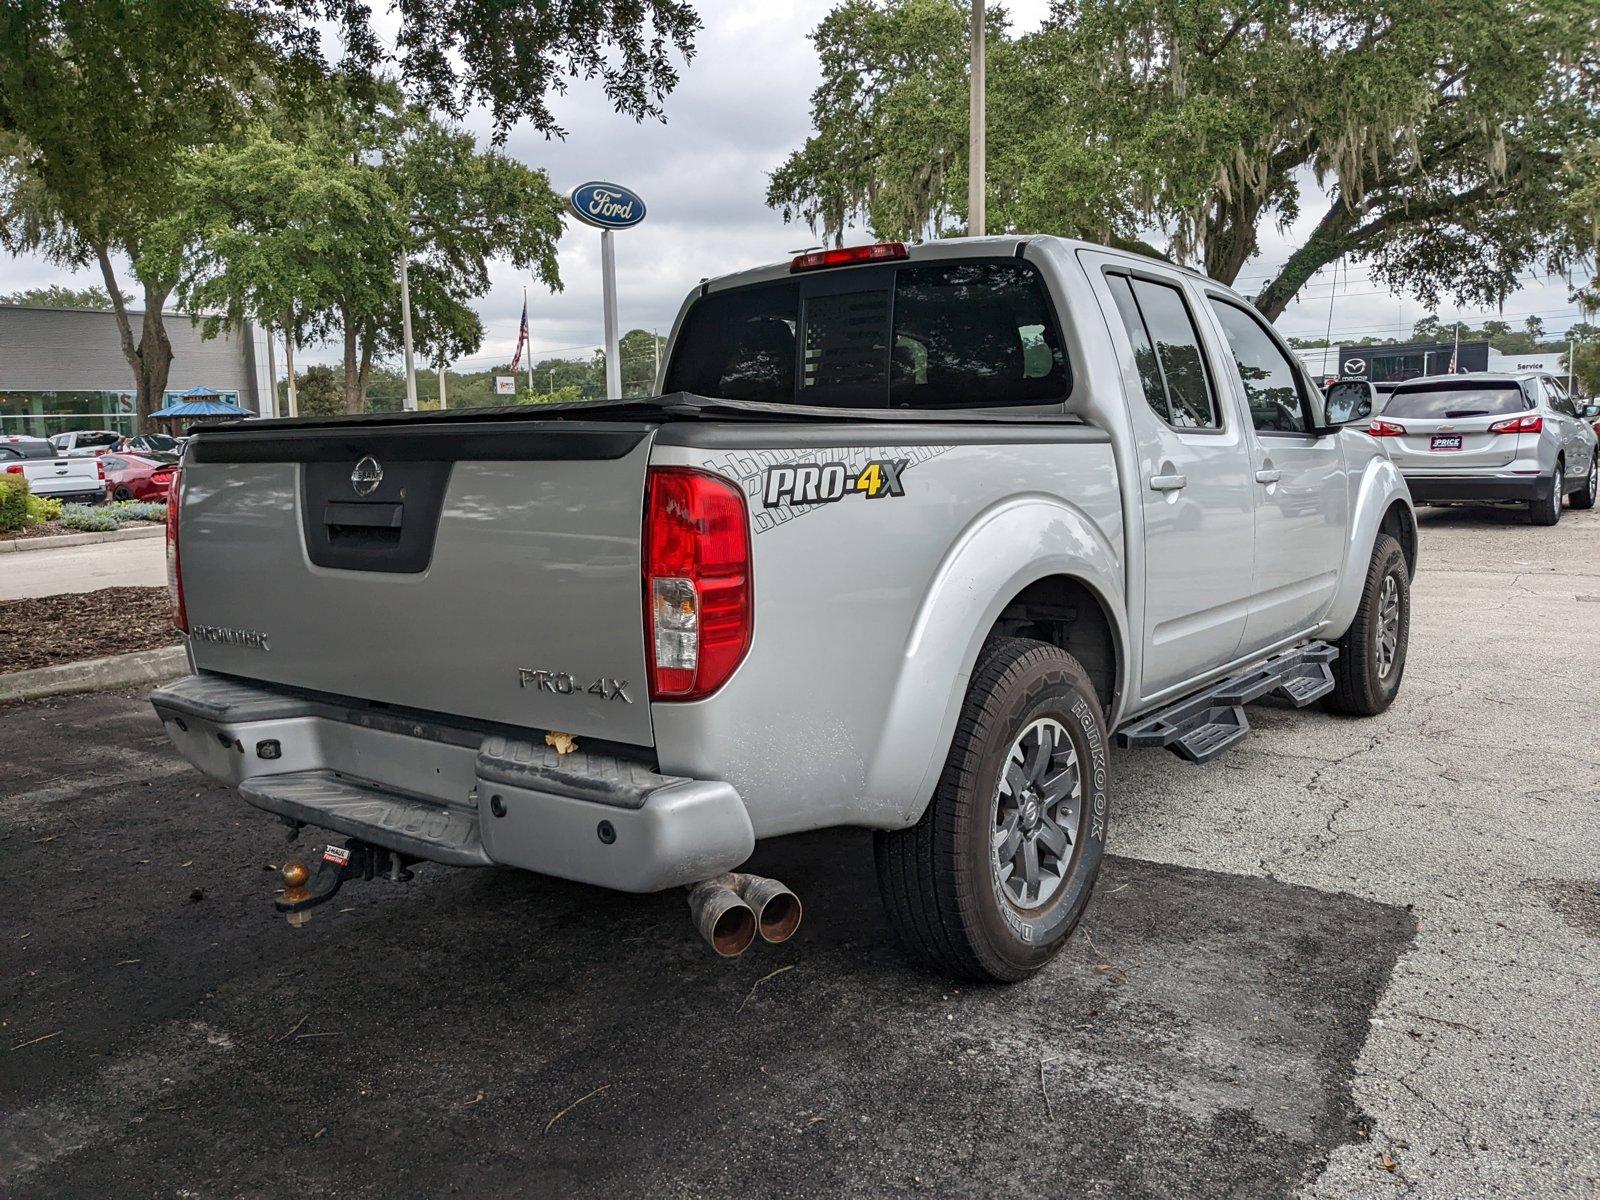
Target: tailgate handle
[362, 514]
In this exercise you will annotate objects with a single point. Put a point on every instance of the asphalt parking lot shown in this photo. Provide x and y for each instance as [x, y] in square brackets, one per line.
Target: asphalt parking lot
[1351, 958]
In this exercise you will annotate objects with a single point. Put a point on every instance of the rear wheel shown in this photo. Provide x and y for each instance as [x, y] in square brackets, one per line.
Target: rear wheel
[993, 879]
[1547, 510]
[1372, 652]
[121, 493]
[1584, 497]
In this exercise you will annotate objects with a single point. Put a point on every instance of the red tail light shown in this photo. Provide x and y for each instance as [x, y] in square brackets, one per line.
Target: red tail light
[180, 618]
[1532, 423]
[698, 610]
[848, 256]
[15, 469]
[100, 469]
[1385, 429]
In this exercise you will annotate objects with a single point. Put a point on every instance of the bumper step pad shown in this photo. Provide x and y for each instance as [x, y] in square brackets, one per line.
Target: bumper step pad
[424, 828]
[1202, 726]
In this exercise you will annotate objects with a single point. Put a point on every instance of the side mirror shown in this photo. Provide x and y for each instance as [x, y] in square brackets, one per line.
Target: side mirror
[1349, 400]
[1591, 410]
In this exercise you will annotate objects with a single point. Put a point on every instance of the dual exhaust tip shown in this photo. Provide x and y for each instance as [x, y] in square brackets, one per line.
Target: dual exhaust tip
[731, 909]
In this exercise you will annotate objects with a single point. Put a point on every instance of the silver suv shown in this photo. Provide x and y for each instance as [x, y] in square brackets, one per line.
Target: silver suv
[1491, 438]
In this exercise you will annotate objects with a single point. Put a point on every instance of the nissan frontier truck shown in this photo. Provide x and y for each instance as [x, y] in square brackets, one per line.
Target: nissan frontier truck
[908, 540]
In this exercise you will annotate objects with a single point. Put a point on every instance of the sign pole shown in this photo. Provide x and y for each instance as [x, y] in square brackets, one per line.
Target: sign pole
[608, 207]
[405, 330]
[608, 271]
[977, 122]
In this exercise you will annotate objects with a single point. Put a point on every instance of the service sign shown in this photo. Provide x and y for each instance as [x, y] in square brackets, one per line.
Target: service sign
[605, 205]
[505, 385]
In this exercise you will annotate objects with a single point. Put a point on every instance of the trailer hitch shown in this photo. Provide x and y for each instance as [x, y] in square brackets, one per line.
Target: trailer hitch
[304, 888]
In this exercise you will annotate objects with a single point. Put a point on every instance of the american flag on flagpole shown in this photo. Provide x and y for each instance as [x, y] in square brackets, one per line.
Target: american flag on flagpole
[522, 336]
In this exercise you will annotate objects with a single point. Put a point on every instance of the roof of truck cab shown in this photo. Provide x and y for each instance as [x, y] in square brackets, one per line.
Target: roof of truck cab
[1004, 246]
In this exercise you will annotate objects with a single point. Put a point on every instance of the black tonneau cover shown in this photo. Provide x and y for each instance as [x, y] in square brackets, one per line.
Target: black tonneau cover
[676, 406]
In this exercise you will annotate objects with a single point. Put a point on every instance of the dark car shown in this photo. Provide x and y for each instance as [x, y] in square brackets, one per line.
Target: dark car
[149, 443]
[138, 476]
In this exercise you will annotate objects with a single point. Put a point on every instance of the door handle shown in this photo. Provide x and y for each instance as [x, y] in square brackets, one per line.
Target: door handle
[1268, 475]
[1168, 483]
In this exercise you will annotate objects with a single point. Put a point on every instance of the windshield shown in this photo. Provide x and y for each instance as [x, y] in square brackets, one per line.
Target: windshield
[1446, 401]
[970, 333]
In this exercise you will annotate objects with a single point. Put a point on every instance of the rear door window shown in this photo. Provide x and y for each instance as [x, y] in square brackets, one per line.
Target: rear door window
[1166, 348]
[1450, 401]
[972, 333]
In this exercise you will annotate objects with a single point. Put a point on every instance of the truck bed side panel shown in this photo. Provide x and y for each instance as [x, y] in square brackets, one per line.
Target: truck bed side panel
[843, 710]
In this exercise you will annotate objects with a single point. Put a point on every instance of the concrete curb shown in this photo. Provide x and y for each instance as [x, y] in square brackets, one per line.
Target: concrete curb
[145, 529]
[96, 674]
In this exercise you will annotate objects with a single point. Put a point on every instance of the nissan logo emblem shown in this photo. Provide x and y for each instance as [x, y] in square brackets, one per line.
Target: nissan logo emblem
[367, 476]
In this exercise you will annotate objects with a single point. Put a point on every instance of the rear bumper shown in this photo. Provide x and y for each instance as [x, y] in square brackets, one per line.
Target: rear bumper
[75, 492]
[1437, 489]
[454, 795]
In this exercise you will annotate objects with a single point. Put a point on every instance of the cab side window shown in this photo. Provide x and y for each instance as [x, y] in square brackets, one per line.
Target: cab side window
[1166, 349]
[1271, 383]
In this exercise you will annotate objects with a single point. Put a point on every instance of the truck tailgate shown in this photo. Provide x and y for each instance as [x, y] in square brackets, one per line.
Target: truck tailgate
[483, 570]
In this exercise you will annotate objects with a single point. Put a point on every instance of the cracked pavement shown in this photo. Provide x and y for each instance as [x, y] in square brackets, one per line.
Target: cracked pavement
[1349, 958]
[1473, 802]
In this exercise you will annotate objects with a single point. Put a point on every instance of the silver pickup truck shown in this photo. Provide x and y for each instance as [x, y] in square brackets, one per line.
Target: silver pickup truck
[908, 539]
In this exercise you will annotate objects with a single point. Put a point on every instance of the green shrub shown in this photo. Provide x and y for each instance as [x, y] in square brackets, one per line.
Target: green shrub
[42, 509]
[13, 502]
[87, 520]
[136, 510]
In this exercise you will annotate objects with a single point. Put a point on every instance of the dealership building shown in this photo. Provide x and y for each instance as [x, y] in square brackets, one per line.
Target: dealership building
[63, 369]
[1407, 360]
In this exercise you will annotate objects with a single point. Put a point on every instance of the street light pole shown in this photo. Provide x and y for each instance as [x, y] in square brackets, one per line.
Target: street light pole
[405, 330]
[977, 116]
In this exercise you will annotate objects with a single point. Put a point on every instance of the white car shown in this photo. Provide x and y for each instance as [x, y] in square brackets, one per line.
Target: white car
[79, 442]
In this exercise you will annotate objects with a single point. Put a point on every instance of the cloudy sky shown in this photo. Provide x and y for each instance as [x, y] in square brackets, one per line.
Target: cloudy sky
[742, 106]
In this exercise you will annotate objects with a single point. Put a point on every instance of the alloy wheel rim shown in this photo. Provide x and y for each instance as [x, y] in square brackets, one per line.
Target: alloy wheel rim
[1555, 491]
[1388, 647]
[1037, 806]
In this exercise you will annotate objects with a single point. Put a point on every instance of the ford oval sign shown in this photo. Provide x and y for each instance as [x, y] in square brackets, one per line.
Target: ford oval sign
[605, 205]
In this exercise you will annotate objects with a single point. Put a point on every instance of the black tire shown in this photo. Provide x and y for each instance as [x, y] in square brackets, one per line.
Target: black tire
[1584, 497]
[122, 493]
[1362, 685]
[1547, 509]
[947, 904]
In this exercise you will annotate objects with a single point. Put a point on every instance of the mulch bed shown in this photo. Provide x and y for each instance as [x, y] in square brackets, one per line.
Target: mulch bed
[48, 529]
[42, 631]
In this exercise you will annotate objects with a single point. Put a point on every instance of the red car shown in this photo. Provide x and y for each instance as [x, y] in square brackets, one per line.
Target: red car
[137, 476]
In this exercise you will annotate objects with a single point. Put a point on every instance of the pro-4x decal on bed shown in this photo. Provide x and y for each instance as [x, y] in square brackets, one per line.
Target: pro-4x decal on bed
[823, 483]
[783, 485]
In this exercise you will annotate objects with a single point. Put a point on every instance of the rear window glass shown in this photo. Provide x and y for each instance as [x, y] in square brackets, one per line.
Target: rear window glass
[968, 334]
[1448, 400]
[16, 450]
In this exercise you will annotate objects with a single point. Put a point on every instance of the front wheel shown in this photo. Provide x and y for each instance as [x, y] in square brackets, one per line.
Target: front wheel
[1547, 510]
[1585, 496]
[1372, 652]
[992, 880]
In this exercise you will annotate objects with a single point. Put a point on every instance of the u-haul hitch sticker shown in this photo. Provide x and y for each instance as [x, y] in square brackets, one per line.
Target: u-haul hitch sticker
[823, 483]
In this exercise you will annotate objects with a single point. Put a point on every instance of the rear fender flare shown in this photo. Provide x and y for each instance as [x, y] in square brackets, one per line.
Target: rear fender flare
[1008, 546]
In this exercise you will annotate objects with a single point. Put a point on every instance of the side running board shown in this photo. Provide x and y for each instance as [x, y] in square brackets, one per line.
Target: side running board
[1202, 726]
